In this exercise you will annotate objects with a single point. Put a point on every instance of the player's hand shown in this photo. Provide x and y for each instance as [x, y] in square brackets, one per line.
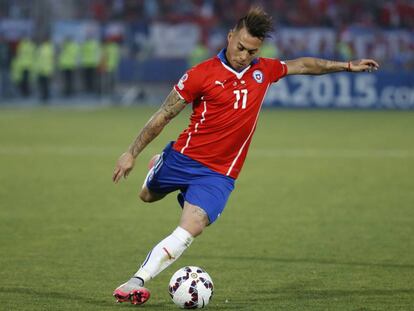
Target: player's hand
[361, 65]
[123, 167]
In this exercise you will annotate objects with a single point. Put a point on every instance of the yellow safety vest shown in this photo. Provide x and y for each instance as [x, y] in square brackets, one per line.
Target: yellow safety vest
[111, 52]
[90, 53]
[68, 57]
[45, 59]
[25, 54]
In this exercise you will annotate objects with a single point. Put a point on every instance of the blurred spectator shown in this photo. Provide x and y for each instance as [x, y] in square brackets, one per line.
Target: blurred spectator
[198, 54]
[5, 60]
[344, 46]
[382, 29]
[109, 65]
[67, 63]
[90, 59]
[269, 50]
[405, 57]
[15, 72]
[24, 65]
[306, 13]
[151, 9]
[344, 51]
[44, 67]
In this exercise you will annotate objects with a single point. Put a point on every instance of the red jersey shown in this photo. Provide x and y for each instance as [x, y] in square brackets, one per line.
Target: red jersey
[226, 106]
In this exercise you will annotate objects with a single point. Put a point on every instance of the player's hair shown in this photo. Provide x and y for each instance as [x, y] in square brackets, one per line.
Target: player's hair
[257, 22]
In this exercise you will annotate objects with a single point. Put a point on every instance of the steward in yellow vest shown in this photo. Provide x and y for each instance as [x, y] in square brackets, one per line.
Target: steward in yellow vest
[44, 65]
[90, 59]
[68, 63]
[109, 64]
[23, 65]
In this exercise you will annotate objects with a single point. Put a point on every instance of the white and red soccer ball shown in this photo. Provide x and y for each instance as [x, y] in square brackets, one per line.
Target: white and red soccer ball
[191, 288]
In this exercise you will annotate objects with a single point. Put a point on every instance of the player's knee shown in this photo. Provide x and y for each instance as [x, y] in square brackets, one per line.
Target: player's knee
[194, 229]
[197, 229]
[194, 220]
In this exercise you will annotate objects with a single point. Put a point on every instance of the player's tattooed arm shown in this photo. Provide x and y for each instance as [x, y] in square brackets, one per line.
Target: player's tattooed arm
[171, 107]
[317, 66]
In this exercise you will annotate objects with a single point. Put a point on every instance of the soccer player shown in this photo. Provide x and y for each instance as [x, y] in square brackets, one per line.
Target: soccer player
[226, 93]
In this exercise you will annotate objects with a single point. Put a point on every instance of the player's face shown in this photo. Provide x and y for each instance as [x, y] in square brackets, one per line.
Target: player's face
[242, 48]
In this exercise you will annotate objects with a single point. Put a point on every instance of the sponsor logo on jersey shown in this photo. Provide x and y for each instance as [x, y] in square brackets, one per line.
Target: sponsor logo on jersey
[180, 83]
[258, 76]
[220, 83]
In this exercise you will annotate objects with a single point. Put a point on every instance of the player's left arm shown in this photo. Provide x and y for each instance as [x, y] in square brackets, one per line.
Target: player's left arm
[171, 107]
[317, 66]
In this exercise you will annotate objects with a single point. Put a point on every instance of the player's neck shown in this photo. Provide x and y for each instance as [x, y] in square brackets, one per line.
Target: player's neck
[223, 57]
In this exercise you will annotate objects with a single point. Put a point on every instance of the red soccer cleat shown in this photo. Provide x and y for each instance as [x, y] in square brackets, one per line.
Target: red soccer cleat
[135, 295]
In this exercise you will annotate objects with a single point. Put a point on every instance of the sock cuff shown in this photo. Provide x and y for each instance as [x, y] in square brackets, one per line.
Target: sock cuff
[140, 279]
[183, 235]
[143, 275]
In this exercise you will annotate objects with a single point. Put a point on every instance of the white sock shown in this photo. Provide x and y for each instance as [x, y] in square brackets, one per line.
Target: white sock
[164, 254]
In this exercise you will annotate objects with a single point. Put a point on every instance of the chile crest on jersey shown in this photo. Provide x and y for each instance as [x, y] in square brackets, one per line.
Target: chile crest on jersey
[258, 76]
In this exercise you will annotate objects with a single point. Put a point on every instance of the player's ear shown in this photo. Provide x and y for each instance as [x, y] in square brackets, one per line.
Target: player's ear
[230, 35]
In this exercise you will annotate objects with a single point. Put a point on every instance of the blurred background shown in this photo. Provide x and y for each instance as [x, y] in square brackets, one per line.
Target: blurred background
[131, 52]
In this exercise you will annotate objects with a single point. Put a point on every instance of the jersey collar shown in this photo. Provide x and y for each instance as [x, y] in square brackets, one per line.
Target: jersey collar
[222, 57]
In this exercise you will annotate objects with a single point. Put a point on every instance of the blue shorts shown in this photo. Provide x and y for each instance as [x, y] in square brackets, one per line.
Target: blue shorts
[198, 184]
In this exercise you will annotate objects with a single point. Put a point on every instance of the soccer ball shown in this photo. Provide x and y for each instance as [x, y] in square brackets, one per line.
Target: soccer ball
[191, 288]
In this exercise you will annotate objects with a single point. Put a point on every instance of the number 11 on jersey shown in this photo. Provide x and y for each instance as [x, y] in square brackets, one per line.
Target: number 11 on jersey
[238, 94]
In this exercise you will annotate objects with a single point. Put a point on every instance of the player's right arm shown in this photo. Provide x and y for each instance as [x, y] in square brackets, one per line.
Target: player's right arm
[317, 66]
[171, 107]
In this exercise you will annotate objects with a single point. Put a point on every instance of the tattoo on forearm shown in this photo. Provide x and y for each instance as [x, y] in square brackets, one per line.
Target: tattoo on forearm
[326, 66]
[321, 63]
[171, 107]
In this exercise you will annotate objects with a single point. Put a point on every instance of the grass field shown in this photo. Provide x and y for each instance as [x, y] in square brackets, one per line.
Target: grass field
[322, 217]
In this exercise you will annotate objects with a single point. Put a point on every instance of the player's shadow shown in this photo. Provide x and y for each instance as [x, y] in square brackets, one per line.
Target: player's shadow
[24, 292]
[311, 261]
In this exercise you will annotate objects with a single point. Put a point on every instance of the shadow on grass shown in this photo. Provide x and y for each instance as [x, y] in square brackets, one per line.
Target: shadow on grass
[54, 295]
[263, 298]
[103, 303]
[311, 261]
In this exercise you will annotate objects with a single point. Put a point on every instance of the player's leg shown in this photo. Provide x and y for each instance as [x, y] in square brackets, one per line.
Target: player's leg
[149, 196]
[203, 200]
[210, 193]
[193, 219]
[157, 180]
[192, 223]
[146, 194]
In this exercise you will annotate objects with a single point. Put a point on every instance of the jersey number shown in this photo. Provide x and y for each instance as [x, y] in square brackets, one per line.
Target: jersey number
[238, 94]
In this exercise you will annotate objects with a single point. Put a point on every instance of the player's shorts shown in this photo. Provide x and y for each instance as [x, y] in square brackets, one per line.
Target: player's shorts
[198, 184]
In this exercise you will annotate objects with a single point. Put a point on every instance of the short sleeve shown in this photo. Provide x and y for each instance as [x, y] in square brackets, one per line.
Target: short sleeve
[277, 68]
[190, 85]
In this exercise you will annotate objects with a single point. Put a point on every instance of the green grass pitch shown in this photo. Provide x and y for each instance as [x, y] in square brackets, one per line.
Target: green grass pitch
[322, 217]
